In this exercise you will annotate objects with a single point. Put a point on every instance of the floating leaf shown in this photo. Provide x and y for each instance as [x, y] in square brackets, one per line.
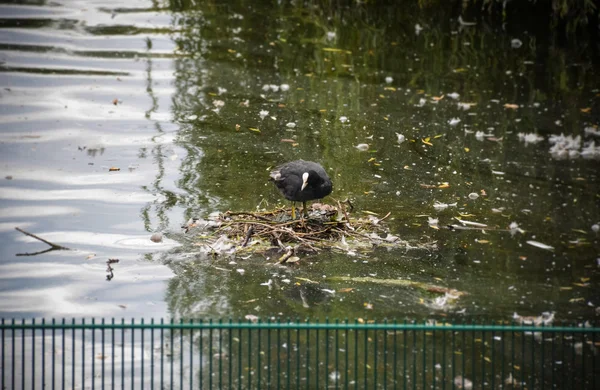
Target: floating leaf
[114, 169]
[565, 288]
[345, 290]
[426, 141]
[256, 130]
[511, 106]
[444, 185]
[586, 110]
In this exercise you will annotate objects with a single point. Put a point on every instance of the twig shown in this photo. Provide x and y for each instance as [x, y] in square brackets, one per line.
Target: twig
[53, 245]
[248, 235]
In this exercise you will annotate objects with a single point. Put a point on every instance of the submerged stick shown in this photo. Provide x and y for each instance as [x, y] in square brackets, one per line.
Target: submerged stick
[53, 245]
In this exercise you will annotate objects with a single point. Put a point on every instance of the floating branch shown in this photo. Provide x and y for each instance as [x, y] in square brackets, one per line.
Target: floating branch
[53, 246]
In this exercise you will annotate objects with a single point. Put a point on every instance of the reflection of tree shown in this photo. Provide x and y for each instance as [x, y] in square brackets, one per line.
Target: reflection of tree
[335, 60]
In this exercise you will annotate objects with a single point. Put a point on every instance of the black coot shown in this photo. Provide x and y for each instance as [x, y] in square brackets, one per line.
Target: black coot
[301, 181]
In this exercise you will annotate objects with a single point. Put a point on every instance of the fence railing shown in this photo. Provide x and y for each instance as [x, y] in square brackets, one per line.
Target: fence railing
[80, 354]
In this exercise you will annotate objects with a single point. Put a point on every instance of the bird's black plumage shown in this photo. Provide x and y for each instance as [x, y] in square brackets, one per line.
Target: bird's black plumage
[289, 179]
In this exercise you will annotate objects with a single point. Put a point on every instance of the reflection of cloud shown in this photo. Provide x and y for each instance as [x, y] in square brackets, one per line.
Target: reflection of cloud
[36, 211]
[75, 290]
[104, 240]
[95, 194]
[10, 226]
[88, 137]
[104, 178]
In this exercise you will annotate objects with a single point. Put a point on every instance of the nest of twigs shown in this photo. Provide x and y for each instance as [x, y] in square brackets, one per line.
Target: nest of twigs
[326, 227]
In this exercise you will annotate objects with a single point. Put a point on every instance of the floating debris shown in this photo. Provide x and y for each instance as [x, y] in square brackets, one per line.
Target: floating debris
[362, 147]
[540, 245]
[530, 138]
[454, 121]
[401, 138]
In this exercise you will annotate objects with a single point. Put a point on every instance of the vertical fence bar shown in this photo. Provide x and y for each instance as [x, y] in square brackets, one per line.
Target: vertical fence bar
[366, 357]
[82, 353]
[112, 354]
[181, 353]
[192, 355]
[63, 353]
[346, 354]
[133, 353]
[43, 354]
[297, 353]
[355, 355]
[414, 357]
[240, 356]
[424, 358]
[200, 358]
[492, 339]
[33, 354]
[483, 359]
[326, 354]
[53, 354]
[103, 354]
[172, 356]
[336, 350]
[543, 355]
[152, 354]
[2, 386]
[142, 377]
[289, 354]
[210, 357]
[375, 352]
[522, 355]
[444, 362]
[395, 370]
[404, 344]
[23, 376]
[162, 354]
[73, 353]
[308, 351]
[258, 368]
[229, 353]
[473, 358]
[385, 355]
[122, 353]
[317, 357]
[93, 359]
[433, 368]
[453, 352]
[221, 355]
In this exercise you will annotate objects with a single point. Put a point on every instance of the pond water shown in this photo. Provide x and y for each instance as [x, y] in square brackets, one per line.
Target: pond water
[194, 103]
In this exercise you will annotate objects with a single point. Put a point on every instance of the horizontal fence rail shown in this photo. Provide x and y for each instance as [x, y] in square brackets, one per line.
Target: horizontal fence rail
[92, 354]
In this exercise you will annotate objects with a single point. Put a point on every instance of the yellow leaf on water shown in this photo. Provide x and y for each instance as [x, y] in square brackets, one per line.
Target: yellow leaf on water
[467, 150]
[579, 231]
[256, 130]
[483, 241]
[487, 359]
[581, 284]
[586, 110]
[426, 141]
[444, 185]
[565, 288]
[583, 280]
[573, 300]
[511, 106]
[438, 98]
[332, 49]
[389, 88]
[369, 212]
[438, 136]
[459, 70]
[517, 367]
[407, 168]
[420, 91]
[457, 352]
[371, 159]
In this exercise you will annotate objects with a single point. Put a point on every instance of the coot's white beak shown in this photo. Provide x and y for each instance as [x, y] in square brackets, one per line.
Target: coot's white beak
[304, 180]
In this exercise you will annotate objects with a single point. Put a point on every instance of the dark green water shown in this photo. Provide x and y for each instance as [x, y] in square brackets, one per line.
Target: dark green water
[190, 83]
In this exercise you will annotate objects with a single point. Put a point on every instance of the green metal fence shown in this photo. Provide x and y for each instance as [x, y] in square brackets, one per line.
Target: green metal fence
[79, 354]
